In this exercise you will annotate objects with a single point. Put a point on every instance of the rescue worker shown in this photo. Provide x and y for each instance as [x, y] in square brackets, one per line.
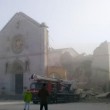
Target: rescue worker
[43, 95]
[27, 99]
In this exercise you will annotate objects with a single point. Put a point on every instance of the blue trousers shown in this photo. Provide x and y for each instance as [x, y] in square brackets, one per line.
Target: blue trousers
[27, 106]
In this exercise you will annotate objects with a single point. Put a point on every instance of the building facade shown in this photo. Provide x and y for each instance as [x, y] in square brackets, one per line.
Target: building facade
[101, 67]
[23, 51]
[56, 60]
[55, 55]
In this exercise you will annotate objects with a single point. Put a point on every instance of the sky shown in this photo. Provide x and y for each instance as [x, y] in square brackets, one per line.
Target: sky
[80, 24]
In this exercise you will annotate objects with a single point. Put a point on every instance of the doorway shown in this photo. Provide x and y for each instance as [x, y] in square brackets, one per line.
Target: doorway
[18, 83]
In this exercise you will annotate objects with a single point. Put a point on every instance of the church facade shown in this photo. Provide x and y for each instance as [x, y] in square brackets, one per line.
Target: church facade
[23, 52]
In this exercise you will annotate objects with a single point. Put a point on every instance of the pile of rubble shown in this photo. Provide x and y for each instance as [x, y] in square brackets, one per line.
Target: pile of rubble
[92, 96]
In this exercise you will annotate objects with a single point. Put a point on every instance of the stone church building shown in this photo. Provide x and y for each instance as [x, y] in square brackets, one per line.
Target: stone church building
[23, 51]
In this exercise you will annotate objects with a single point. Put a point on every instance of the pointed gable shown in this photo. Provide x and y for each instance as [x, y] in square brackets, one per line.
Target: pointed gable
[19, 16]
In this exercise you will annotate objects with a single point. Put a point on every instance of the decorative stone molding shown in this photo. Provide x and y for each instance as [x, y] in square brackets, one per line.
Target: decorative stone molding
[17, 44]
[17, 67]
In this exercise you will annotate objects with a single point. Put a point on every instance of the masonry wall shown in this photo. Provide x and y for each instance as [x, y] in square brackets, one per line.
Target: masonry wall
[100, 67]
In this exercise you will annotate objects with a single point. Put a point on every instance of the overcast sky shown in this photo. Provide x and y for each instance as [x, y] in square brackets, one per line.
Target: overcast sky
[80, 24]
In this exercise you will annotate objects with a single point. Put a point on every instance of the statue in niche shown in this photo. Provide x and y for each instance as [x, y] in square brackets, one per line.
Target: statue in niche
[27, 68]
[6, 67]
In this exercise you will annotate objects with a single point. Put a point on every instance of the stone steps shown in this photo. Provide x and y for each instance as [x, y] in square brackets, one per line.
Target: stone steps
[11, 97]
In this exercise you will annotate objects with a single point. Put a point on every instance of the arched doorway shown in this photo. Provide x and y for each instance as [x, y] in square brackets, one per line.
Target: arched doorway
[18, 74]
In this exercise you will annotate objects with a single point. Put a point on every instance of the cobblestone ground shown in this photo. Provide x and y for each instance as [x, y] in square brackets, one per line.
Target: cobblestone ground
[67, 106]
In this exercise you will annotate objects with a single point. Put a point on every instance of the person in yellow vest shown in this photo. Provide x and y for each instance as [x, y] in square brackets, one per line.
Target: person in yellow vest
[27, 99]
